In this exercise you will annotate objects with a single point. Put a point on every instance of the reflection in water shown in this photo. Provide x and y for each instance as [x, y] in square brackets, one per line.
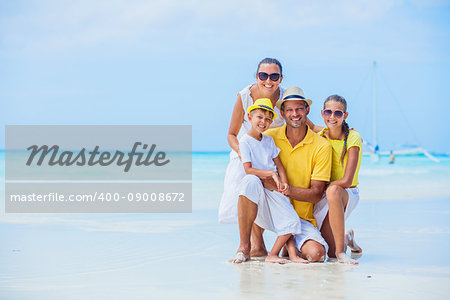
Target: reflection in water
[259, 279]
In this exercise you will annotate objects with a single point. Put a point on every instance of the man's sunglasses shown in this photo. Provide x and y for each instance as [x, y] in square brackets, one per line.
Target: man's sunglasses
[337, 113]
[263, 76]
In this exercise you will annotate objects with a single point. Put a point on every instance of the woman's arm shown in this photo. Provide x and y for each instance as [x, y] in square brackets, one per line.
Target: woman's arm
[350, 168]
[237, 117]
[313, 126]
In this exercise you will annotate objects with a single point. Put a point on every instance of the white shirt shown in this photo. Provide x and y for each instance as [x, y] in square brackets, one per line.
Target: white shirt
[259, 153]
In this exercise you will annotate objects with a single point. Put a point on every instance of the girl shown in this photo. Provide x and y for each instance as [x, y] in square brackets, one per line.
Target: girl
[268, 78]
[342, 194]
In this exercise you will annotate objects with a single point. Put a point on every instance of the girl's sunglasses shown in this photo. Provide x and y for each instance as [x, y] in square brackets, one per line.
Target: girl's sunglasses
[263, 76]
[337, 113]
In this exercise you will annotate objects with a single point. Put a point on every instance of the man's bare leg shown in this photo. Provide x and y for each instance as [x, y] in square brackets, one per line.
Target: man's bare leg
[258, 247]
[313, 251]
[337, 200]
[247, 211]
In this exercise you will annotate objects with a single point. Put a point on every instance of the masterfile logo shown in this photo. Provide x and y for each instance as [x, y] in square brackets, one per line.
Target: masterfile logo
[91, 158]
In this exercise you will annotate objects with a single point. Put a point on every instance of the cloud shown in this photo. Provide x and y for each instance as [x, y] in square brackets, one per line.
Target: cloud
[431, 3]
[62, 26]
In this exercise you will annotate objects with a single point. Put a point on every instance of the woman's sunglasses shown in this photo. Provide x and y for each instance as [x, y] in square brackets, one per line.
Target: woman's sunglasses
[263, 76]
[337, 113]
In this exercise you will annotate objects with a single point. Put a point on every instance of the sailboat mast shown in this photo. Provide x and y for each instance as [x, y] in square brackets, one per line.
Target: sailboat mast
[374, 106]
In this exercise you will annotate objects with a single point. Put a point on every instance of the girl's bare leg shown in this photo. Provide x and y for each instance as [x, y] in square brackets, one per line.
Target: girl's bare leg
[337, 201]
[327, 234]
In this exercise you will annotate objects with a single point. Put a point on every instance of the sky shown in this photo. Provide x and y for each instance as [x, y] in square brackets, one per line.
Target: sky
[183, 63]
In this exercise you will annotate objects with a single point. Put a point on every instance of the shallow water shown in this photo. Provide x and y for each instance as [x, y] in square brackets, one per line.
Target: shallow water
[402, 223]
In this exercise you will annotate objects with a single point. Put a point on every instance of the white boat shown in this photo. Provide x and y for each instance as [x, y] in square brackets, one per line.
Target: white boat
[371, 147]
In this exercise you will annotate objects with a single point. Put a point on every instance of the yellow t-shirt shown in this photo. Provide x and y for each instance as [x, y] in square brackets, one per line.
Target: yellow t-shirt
[308, 160]
[338, 169]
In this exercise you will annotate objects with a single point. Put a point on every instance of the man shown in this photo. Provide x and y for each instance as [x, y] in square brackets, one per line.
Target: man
[307, 159]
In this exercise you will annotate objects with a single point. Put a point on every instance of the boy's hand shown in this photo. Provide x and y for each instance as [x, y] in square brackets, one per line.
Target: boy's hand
[284, 188]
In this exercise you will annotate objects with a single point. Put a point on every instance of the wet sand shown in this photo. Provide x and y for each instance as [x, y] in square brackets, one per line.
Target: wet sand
[170, 256]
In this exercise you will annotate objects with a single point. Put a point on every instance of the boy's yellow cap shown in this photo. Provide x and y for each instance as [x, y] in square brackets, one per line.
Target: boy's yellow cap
[263, 103]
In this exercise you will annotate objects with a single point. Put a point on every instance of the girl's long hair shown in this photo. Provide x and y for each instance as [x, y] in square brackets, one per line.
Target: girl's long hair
[345, 127]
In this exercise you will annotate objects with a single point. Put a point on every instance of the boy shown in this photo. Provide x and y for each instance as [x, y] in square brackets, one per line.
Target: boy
[260, 158]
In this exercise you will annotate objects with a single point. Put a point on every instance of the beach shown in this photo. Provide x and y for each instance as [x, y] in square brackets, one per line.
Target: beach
[402, 223]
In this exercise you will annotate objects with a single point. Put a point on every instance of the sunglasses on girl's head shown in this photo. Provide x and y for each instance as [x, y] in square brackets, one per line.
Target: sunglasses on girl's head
[337, 113]
[263, 76]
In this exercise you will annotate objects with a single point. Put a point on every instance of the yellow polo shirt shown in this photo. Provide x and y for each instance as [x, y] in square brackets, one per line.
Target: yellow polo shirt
[308, 160]
[338, 169]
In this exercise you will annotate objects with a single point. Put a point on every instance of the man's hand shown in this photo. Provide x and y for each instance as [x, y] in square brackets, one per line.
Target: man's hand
[313, 194]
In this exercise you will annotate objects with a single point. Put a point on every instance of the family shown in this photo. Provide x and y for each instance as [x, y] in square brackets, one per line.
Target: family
[289, 175]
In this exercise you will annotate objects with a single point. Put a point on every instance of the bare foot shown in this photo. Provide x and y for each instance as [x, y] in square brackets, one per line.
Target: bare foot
[344, 259]
[276, 259]
[258, 252]
[240, 258]
[300, 260]
[350, 236]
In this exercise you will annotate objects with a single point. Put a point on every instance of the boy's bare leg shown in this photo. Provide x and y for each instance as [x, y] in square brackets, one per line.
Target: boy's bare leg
[279, 243]
[337, 200]
[247, 211]
[292, 251]
[258, 247]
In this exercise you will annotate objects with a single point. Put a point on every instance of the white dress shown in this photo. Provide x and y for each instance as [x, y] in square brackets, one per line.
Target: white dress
[235, 170]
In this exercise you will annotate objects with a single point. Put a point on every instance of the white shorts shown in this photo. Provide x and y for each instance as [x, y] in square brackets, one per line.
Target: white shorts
[275, 211]
[309, 232]
[321, 207]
